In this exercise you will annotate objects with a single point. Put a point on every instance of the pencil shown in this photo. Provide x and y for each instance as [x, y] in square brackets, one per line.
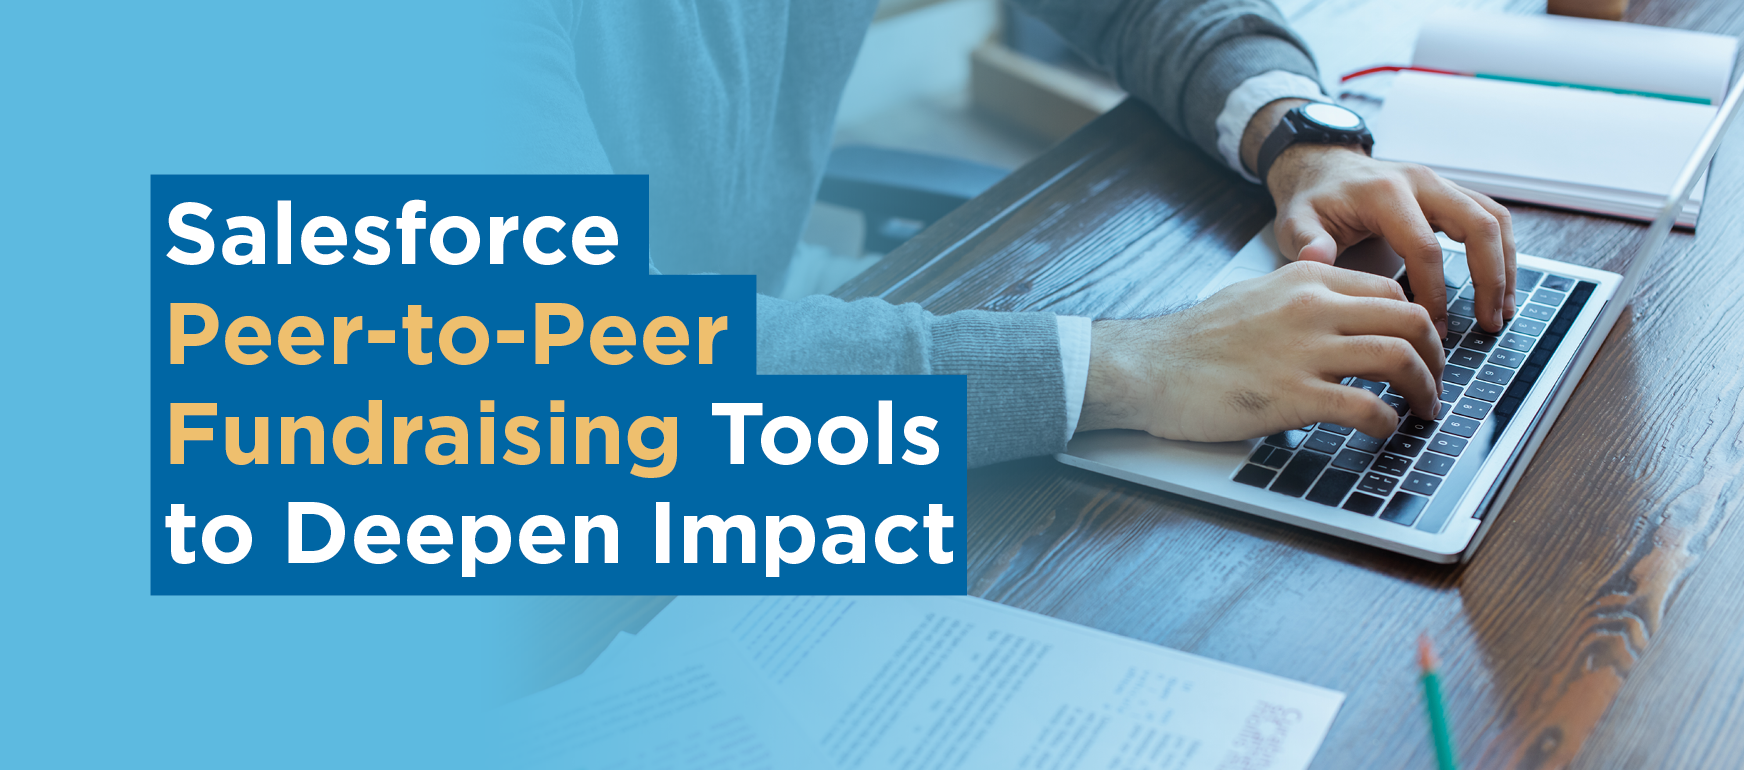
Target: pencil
[1437, 710]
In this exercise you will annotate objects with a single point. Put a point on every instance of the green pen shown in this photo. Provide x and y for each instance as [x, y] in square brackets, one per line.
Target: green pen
[1437, 710]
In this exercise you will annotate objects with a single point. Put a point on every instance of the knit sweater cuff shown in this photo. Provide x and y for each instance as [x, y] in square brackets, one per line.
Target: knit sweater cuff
[1017, 394]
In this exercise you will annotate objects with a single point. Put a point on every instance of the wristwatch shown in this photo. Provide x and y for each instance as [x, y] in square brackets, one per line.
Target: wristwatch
[1314, 123]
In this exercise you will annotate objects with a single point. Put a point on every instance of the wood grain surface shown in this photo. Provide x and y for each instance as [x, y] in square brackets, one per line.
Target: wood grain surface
[1599, 626]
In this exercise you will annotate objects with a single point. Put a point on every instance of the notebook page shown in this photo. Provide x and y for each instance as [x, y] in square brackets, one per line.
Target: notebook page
[1612, 54]
[1590, 138]
[701, 708]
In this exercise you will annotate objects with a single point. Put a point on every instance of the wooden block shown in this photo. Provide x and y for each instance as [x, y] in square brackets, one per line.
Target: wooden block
[1591, 9]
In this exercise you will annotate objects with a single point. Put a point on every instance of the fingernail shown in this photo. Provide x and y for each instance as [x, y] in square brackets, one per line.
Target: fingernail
[1441, 327]
[1512, 308]
[1434, 410]
[1496, 318]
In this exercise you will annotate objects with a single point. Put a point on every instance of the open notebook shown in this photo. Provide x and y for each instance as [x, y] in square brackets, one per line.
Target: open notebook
[1598, 151]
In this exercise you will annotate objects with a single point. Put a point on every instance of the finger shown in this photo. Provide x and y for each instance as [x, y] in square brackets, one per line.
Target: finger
[1385, 359]
[1505, 220]
[1352, 408]
[1401, 221]
[1407, 321]
[1464, 220]
[1303, 238]
[1351, 283]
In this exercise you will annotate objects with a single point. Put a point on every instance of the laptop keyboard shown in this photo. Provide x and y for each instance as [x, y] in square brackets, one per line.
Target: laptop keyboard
[1401, 476]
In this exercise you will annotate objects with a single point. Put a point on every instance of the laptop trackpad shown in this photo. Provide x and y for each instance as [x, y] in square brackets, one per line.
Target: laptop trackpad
[1261, 256]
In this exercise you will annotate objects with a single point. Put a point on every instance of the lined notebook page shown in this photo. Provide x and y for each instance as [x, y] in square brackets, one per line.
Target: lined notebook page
[1589, 138]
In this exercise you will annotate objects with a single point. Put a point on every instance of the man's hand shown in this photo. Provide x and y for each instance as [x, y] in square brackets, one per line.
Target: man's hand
[1266, 355]
[1332, 197]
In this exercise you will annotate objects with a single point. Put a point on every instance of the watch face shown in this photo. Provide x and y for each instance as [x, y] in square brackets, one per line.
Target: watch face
[1332, 116]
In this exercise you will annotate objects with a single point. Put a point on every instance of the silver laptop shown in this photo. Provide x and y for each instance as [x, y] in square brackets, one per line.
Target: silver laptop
[1428, 490]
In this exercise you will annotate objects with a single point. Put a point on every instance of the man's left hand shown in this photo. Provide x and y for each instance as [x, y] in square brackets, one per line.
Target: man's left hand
[1331, 197]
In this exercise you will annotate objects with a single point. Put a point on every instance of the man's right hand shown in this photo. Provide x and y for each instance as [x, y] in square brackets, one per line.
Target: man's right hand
[1266, 355]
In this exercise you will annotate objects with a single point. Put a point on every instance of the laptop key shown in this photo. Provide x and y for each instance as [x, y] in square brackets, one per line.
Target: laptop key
[1363, 442]
[1332, 486]
[1413, 425]
[1525, 279]
[1289, 439]
[1279, 458]
[1321, 441]
[1397, 402]
[1518, 342]
[1548, 297]
[1457, 375]
[1450, 340]
[1463, 427]
[1496, 374]
[1377, 485]
[1469, 292]
[1460, 323]
[1463, 307]
[1392, 464]
[1296, 477]
[1329, 427]
[1538, 312]
[1408, 446]
[1404, 509]
[1484, 391]
[1421, 483]
[1466, 357]
[1271, 456]
[1480, 341]
[1254, 476]
[1352, 460]
[1370, 386]
[1509, 358]
[1447, 445]
[1557, 282]
[1366, 505]
[1527, 326]
[1431, 462]
[1450, 392]
[1473, 408]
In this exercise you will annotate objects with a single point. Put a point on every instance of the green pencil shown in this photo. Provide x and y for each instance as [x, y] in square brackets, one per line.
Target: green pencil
[1437, 710]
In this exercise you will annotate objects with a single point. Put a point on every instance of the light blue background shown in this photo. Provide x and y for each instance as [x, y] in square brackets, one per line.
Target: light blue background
[93, 670]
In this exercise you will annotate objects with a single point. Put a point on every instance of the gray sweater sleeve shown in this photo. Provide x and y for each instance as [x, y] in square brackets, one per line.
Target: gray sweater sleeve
[1017, 395]
[1182, 57]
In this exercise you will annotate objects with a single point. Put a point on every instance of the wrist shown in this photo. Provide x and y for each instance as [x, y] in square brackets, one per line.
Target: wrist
[1108, 390]
[1260, 126]
[1306, 161]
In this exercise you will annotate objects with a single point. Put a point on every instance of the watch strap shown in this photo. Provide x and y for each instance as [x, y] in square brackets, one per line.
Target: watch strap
[1281, 138]
[1295, 129]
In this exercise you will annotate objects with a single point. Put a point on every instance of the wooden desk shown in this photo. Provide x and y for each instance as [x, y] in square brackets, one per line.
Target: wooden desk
[1602, 622]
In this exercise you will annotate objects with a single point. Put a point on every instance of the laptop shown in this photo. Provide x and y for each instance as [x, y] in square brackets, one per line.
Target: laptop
[1430, 489]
